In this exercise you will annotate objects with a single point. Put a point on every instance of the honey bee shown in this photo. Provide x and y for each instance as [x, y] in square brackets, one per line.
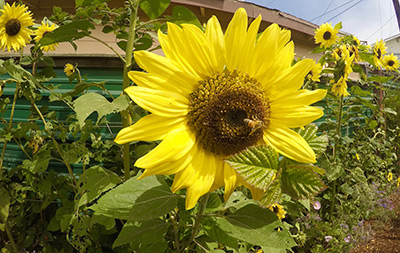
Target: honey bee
[253, 124]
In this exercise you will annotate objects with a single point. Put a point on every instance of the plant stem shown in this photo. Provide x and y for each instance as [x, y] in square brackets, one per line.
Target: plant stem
[126, 119]
[339, 138]
[3, 153]
[176, 232]
[105, 44]
[199, 216]
[11, 238]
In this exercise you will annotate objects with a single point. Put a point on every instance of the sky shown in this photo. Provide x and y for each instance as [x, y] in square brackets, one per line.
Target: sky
[369, 20]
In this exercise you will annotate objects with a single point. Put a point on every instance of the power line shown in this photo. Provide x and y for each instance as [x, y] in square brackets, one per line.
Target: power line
[325, 10]
[381, 26]
[334, 9]
[345, 10]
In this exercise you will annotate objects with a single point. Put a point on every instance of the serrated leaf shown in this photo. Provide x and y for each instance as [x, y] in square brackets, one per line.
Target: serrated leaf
[257, 165]
[256, 225]
[300, 181]
[272, 195]
[137, 200]
[67, 33]
[317, 143]
[4, 207]
[94, 102]
[182, 15]
[95, 181]
[154, 8]
[146, 232]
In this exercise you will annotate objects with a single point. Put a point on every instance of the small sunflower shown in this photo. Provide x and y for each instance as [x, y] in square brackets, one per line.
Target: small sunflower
[398, 182]
[41, 31]
[326, 35]
[315, 73]
[390, 62]
[340, 88]
[390, 176]
[278, 210]
[355, 41]
[69, 69]
[358, 156]
[214, 95]
[14, 23]
[379, 50]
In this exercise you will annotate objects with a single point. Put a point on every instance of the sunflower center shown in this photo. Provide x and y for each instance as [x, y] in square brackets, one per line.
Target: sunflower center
[327, 35]
[13, 26]
[228, 112]
[390, 63]
[378, 53]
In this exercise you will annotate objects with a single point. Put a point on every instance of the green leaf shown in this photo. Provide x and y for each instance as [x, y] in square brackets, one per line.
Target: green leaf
[380, 79]
[145, 232]
[137, 200]
[389, 110]
[358, 175]
[157, 247]
[95, 181]
[4, 207]
[67, 33]
[107, 222]
[300, 181]
[40, 161]
[94, 102]
[219, 235]
[83, 3]
[372, 124]
[256, 225]
[154, 8]
[144, 42]
[237, 200]
[181, 15]
[317, 143]
[338, 26]
[257, 165]
[272, 195]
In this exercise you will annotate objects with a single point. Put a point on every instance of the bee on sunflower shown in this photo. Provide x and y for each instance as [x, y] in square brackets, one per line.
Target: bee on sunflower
[14, 26]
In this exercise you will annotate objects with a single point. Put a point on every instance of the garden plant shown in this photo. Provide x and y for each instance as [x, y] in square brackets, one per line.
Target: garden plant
[227, 142]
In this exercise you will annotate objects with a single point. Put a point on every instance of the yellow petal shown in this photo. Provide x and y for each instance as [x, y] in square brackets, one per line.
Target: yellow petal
[175, 145]
[297, 98]
[250, 43]
[158, 102]
[290, 144]
[230, 179]
[149, 128]
[215, 36]
[235, 36]
[219, 175]
[295, 116]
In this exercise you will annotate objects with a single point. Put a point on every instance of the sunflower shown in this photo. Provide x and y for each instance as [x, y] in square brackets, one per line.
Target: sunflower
[315, 73]
[214, 95]
[390, 62]
[390, 176]
[340, 88]
[326, 35]
[41, 31]
[69, 69]
[278, 210]
[379, 50]
[14, 23]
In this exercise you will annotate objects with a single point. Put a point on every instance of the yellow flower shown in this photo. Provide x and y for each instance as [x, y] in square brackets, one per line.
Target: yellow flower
[315, 72]
[379, 50]
[358, 157]
[214, 95]
[278, 209]
[398, 182]
[340, 88]
[390, 62]
[326, 35]
[14, 22]
[355, 41]
[41, 31]
[69, 69]
[390, 176]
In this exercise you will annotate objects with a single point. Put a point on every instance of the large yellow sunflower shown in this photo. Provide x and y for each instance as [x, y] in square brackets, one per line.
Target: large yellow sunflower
[326, 34]
[215, 94]
[14, 23]
[41, 31]
[315, 73]
[390, 62]
[379, 50]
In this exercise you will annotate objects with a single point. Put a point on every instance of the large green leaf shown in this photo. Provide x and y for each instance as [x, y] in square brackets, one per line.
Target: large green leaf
[83, 3]
[67, 33]
[317, 143]
[94, 102]
[219, 235]
[258, 226]
[95, 181]
[300, 181]
[272, 195]
[257, 165]
[182, 15]
[146, 232]
[154, 8]
[137, 200]
[4, 207]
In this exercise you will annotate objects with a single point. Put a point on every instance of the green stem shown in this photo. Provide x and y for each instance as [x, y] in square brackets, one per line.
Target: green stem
[199, 216]
[11, 238]
[339, 134]
[175, 229]
[105, 44]
[3, 153]
[126, 120]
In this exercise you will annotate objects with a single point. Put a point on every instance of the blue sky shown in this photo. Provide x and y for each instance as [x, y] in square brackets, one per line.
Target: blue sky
[369, 20]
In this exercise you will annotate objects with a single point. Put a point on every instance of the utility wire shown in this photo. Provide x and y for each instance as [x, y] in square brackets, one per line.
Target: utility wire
[345, 10]
[334, 9]
[325, 10]
[379, 29]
